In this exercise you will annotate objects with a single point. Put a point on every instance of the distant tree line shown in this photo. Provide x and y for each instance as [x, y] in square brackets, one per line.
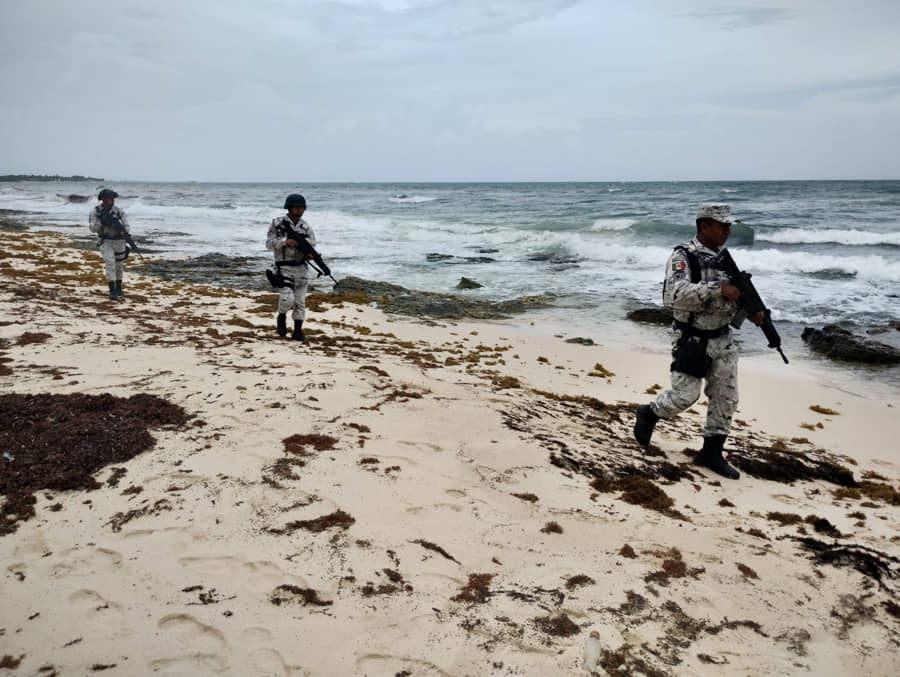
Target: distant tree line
[46, 177]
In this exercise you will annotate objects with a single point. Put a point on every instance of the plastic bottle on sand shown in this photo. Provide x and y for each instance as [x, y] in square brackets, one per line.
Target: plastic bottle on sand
[592, 651]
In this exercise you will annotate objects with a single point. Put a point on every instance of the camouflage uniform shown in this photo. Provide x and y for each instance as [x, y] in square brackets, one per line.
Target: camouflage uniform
[292, 264]
[702, 305]
[111, 242]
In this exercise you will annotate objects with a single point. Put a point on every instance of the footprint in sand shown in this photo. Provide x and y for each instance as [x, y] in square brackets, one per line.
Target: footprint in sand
[383, 664]
[261, 575]
[86, 562]
[92, 603]
[198, 648]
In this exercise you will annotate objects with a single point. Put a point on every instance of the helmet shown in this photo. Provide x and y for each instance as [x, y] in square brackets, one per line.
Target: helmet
[105, 193]
[294, 200]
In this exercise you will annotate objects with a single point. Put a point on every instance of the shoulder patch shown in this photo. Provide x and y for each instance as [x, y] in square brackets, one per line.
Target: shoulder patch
[678, 266]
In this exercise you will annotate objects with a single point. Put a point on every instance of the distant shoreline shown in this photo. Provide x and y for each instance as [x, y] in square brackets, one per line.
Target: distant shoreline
[46, 177]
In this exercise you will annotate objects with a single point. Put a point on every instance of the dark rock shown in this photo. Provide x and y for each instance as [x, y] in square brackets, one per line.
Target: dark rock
[651, 316]
[435, 257]
[77, 198]
[581, 341]
[236, 272]
[839, 344]
[466, 283]
[393, 298]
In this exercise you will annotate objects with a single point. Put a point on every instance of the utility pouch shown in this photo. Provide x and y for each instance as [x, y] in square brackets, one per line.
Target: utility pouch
[276, 279]
[690, 356]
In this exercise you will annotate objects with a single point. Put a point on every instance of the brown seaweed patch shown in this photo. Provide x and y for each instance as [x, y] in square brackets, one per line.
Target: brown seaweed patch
[776, 466]
[628, 551]
[436, 548]
[296, 444]
[120, 518]
[869, 562]
[784, 518]
[291, 593]
[338, 518]
[503, 382]
[374, 370]
[579, 581]
[476, 590]
[725, 503]
[824, 410]
[623, 662]
[558, 626]
[32, 337]
[61, 441]
[746, 571]
[552, 528]
[638, 490]
[531, 498]
[11, 662]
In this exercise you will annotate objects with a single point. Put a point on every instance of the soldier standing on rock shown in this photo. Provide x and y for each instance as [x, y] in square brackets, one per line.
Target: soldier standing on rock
[290, 263]
[703, 303]
[111, 226]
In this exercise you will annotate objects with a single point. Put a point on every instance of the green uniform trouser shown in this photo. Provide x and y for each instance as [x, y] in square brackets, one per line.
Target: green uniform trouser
[721, 387]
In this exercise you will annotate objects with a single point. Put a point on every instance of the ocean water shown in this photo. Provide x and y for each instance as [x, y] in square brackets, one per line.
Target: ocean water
[820, 251]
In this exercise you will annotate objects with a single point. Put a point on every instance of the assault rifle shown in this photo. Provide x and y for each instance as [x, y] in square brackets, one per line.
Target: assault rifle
[314, 260]
[749, 299]
[107, 219]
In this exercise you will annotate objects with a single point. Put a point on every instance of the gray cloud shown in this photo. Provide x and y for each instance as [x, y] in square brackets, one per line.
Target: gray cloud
[438, 90]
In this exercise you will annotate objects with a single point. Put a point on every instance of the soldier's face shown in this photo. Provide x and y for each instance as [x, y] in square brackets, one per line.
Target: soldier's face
[108, 202]
[716, 234]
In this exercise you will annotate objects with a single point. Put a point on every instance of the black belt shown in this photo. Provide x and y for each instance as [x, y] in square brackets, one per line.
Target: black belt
[703, 333]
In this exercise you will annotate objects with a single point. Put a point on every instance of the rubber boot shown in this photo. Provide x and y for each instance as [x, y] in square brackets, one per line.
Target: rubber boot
[298, 334]
[112, 291]
[281, 324]
[711, 457]
[644, 422]
[119, 288]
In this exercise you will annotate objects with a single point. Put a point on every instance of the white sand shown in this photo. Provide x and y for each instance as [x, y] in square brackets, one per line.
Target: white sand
[425, 459]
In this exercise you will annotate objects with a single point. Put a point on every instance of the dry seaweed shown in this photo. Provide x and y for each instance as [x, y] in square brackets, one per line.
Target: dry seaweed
[436, 548]
[61, 441]
[476, 591]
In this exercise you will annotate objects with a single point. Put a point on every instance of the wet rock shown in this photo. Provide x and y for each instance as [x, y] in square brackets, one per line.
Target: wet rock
[466, 283]
[396, 299]
[435, 257]
[236, 272]
[76, 198]
[651, 316]
[581, 341]
[840, 344]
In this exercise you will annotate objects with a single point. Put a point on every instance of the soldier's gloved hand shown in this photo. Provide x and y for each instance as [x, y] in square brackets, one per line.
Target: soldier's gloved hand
[291, 243]
[757, 318]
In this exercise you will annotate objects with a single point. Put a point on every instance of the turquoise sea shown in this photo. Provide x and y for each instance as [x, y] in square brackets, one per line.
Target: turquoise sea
[820, 251]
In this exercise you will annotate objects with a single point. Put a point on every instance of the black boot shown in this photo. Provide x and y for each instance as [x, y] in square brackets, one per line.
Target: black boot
[119, 288]
[112, 291]
[644, 422]
[711, 457]
[281, 324]
[298, 334]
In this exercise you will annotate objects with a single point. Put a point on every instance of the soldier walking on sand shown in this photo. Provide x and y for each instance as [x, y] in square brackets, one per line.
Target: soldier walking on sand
[290, 262]
[111, 226]
[703, 303]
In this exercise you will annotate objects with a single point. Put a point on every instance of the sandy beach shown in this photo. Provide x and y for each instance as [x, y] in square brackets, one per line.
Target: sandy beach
[410, 498]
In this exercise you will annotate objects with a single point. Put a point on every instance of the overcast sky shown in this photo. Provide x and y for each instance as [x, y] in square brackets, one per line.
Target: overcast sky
[450, 90]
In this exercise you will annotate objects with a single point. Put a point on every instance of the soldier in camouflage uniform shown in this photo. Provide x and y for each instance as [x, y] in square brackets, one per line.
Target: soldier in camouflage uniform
[704, 306]
[290, 263]
[103, 220]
